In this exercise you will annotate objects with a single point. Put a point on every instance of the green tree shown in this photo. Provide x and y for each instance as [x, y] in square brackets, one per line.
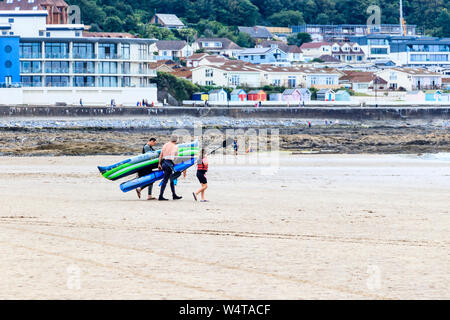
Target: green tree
[113, 24]
[444, 22]
[244, 40]
[287, 18]
[299, 38]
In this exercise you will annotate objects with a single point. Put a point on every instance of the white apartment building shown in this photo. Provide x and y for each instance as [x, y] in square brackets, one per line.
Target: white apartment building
[63, 63]
[411, 78]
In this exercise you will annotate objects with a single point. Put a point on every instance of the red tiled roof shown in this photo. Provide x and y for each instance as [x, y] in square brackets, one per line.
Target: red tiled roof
[314, 45]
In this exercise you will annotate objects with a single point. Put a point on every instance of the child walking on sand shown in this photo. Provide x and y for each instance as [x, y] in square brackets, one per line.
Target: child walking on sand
[202, 168]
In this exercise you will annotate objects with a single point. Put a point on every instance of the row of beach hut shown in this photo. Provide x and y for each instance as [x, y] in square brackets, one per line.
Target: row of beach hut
[428, 96]
[289, 95]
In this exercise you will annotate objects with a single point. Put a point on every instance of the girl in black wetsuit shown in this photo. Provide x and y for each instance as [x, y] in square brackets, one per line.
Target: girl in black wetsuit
[202, 168]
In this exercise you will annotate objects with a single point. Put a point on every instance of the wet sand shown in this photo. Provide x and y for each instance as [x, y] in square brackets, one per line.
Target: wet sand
[322, 226]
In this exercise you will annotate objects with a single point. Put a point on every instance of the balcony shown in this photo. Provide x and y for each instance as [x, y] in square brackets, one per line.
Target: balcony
[56, 70]
[83, 70]
[31, 71]
[427, 87]
[31, 55]
[150, 72]
[57, 84]
[58, 55]
[109, 56]
[84, 56]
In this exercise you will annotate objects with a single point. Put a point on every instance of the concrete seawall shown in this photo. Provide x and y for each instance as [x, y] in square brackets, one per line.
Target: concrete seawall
[275, 112]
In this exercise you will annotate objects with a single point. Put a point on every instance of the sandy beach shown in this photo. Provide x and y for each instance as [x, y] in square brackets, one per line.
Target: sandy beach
[322, 226]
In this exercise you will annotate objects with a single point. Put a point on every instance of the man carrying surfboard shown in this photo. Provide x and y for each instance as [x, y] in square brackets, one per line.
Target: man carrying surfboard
[166, 157]
[148, 147]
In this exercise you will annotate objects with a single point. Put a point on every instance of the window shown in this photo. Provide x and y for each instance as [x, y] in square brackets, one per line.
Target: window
[125, 51]
[143, 51]
[9, 1]
[83, 67]
[209, 73]
[126, 67]
[329, 80]
[378, 50]
[377, 42]
[107, 50]
[30, 50]
[107, 81]
[107, 67]
[56, 81]
[291, 81]
[41, 33]
[235, 80]
[30, 67]
[314, 80]
[56, 50]
[83, 50]
[209, 83]
[359, 58]
[28, 81]
[57, 67]
[262, 57]
[276, 82]
[11, 20]
[47, 34]
[126, 82]
[83, 81]
[348, 58]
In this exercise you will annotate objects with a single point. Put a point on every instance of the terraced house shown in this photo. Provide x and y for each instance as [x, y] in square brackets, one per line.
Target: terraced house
[49, 63]
[234, 74]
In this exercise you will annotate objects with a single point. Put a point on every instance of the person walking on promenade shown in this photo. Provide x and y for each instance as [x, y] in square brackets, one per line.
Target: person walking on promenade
[235, 146]
[168, 154]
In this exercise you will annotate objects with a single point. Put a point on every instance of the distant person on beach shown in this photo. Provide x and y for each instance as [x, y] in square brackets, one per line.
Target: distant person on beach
[309, 124]
[81, 102]
[168, 154]
[235, 146]
[148, 147]
[202, 169]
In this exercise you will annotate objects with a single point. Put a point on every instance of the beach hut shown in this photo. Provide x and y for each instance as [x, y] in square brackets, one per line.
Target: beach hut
[445, 97]
[292, 95]
[218, 95]
[257, 95]
[325, 95]
[238, 95]
[276, 96]
[433, 95]
[415, 96]
[305, 94]
[200, 96]
[342, 95]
